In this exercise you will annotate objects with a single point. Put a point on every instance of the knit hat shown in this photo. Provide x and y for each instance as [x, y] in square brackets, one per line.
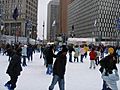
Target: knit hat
[111, 50]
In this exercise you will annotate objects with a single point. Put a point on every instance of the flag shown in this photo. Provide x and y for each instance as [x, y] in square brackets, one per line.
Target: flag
[15, 14]
[95, 23]
[54, 22]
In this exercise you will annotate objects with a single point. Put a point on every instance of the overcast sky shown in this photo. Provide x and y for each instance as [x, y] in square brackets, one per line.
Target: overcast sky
[42, 16]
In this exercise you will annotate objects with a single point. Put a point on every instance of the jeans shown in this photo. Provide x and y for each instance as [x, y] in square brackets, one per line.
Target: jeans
[105, 86]
[60, 81]
[82, 56]
[24, 61]
[49, 69]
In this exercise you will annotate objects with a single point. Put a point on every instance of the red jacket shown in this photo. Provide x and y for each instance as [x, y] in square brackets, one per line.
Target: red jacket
[92, 55]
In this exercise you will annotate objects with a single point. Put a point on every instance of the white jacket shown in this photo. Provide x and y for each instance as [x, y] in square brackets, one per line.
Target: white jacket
[111, 79]
[24, 51]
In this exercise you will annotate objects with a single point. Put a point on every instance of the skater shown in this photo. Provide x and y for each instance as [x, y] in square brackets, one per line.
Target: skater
[59, 69]
[14, 69]
[70, 50]
[49, 58]
[109, 71]
[77, 52]
[24, 55]
[92, 55]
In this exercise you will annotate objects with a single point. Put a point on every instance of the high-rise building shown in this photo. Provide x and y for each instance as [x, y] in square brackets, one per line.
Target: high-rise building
[63, 16]
[27, 17]
[52, 20]
[94, 18]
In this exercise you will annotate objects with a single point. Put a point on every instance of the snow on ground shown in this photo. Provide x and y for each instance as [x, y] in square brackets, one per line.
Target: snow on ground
[33, 77]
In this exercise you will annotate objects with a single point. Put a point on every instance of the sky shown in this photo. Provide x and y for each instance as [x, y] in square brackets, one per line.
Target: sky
[42, 16]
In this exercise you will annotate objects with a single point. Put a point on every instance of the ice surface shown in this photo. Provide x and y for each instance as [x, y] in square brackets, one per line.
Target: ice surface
[33, 77]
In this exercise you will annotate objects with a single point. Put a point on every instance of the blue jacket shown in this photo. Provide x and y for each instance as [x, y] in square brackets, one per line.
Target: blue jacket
[118, 52]
[111, 79]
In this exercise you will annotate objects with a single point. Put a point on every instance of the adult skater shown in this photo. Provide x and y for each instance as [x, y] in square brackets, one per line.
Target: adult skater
[59, 69]
[14, 69]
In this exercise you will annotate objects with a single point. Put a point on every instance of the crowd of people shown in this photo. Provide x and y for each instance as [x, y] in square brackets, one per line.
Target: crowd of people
[105, 56]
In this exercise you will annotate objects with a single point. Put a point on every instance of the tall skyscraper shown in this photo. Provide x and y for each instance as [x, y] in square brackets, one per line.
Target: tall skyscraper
[94, 18]
[27, 17]
[63, 16]
[52, 20]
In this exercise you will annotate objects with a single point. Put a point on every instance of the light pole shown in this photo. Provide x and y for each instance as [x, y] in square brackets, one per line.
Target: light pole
[15, 16]
[29, 29]
[43, 31]
[0, 16]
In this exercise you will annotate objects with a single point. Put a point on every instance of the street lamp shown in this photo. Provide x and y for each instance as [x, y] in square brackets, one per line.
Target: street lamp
[43, 31]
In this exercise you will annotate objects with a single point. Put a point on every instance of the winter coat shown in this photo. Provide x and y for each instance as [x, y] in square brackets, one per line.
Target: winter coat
[70, 49]
[82, 51]
[92, 55]
[77, 51]
[108, 62]
[14, 67]
[111, 79]
[86, 49]
[29, 51]
[98, 53]
[24, 51]
[49, 56]
[118, 52]
[59, 65]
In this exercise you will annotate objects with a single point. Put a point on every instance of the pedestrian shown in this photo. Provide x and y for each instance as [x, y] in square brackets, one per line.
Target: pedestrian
[118, 54]
[82, 52]
[29, 52]
[49, 57]
[14, 70]
[92, 55]
[97, 56]
[70, 50]
[59, 69]
[86, 48]
[76, 54]
[109, 71]
[24, 55]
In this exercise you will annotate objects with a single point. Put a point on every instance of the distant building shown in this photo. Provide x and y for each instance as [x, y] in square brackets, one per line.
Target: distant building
[52, 20]
[63, 17]
[94, 18]
[27, 12]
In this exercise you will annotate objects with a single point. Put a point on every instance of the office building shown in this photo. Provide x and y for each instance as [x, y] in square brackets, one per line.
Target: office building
[94, 18]
[27, 13]
[52, 20]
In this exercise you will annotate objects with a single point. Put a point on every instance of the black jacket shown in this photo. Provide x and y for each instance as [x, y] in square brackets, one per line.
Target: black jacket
[49, 56]
[14, 67]
[59, 65]
[108, 63]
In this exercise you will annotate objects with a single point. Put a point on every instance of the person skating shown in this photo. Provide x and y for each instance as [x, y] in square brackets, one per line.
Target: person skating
[14, 69]
[109, 71]
[92, 55]
[59, 70]
[49, 58]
